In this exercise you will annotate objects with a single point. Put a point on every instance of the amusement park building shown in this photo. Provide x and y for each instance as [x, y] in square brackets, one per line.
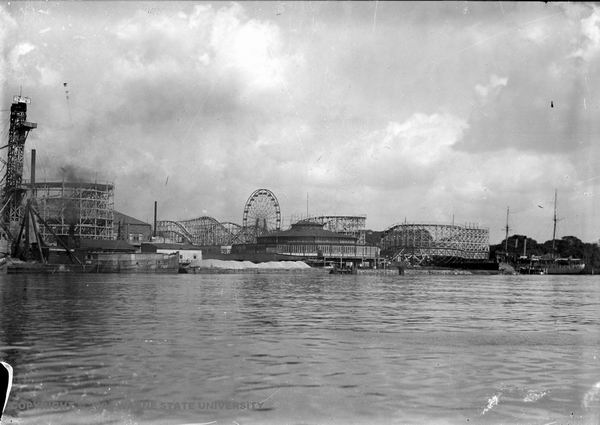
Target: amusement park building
[131, 229]
[76, 209]
[308, 240]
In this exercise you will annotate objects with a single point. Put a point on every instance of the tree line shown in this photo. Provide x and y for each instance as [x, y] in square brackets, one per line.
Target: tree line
[567, 246]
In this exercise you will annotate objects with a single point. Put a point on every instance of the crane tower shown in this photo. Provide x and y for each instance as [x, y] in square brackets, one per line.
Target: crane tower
[13, 192]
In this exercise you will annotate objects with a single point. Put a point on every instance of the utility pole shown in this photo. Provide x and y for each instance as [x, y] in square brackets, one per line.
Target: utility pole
[155, 209]
[307, 205]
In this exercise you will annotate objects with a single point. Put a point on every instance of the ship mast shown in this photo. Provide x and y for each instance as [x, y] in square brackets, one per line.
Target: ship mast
[506, 238]
[554, 230]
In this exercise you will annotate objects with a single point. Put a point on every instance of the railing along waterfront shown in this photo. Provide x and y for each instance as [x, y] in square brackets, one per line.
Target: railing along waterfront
[343, 251]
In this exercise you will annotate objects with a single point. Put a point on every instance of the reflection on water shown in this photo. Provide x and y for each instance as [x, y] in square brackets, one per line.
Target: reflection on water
[305, 348]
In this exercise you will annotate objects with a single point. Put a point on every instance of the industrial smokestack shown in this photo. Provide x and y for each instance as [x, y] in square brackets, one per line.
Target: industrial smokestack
[155, 208]
[32, 168]
[33, 190]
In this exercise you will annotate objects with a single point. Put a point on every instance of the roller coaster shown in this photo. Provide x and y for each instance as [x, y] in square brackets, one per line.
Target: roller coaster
[261, 215]
[353, 225]
[435, 243]
[204, 231]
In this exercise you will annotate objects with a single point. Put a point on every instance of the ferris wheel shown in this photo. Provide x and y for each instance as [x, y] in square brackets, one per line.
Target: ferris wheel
[262, 212]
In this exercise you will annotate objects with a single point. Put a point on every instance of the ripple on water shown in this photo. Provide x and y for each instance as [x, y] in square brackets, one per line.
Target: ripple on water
[367, 349]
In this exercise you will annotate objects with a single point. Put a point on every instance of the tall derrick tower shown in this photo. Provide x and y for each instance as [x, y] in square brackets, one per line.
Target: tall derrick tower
[13, 191]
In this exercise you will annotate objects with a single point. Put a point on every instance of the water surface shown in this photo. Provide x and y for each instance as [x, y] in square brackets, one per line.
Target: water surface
[301, 348]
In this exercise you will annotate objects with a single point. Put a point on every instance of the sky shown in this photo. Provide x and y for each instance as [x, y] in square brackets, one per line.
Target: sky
[419, 112]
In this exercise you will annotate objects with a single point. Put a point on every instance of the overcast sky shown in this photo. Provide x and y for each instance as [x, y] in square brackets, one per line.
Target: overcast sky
[416, 111]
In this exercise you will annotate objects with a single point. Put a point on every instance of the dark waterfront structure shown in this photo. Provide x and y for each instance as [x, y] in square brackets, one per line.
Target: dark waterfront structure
[308, 241]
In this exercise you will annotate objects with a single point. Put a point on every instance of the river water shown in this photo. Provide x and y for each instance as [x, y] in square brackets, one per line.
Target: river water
[303, 348]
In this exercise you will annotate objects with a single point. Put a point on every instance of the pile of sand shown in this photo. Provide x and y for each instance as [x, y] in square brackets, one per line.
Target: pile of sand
[247, 265]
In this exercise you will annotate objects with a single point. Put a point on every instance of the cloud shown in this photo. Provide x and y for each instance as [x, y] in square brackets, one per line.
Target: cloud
[397, 156]
[493, 87]
[17, 52]
[184, 95]
[422, 140]
[589, 40]
[48, 76]
[196, 105]
[540, 105]
[413, 169]
[7, 27]
[252, 49]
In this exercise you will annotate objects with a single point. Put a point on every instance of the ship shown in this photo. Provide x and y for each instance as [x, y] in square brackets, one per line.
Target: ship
[550, 263]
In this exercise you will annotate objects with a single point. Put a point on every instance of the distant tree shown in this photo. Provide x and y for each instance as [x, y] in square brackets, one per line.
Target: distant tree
[591, 257]
[373, 237]
[567, 246]
[570, 246]
[517, 245]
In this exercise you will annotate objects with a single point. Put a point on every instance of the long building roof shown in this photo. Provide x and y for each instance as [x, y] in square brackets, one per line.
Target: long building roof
[126, 219]
[172, 246]
[307, 229]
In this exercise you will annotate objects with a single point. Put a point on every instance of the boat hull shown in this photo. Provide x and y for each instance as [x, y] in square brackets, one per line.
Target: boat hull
[575, 269]
[553, 269]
